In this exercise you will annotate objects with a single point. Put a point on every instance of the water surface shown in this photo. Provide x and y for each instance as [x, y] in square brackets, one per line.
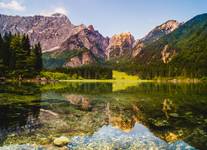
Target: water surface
[169, 113]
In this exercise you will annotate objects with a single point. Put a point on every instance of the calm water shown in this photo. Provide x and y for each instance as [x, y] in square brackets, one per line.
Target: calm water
[133, 114]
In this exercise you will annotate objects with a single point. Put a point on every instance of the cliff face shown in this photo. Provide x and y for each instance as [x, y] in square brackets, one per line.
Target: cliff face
[120, 45]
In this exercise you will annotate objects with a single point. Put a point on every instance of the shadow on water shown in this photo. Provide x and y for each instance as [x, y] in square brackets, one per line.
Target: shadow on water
[17, 115]
[173, 112]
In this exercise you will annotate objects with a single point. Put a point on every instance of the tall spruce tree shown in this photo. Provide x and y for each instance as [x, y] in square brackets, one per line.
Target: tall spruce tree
[2, 68]
[26, 47]
[7, 54]
[38, 57]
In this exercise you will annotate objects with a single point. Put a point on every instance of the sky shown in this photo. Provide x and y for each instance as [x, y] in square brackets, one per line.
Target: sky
[111, 17]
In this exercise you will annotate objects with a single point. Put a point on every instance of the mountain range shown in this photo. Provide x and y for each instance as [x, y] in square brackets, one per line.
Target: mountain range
[67, 45]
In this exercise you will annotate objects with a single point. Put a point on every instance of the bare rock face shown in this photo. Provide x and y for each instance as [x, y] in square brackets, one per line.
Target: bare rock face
[50, 31]
[120, 45]
[137, 48]
[155, 35]
[82, 36]
[167, 54]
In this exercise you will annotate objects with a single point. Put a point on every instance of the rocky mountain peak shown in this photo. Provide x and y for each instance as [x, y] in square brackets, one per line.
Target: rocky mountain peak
[91, 28]
[58, 15]
[161, 30]
[169, 26]
[120, 45]
[50, 31]
[158, 32]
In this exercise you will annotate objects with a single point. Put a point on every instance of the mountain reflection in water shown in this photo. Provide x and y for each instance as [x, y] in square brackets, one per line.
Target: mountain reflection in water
[172, 112]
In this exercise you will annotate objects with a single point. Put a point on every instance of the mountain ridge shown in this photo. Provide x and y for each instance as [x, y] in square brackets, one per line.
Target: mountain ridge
[84, 45]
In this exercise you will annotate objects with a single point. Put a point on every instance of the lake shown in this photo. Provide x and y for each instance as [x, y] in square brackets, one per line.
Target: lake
[127, 115]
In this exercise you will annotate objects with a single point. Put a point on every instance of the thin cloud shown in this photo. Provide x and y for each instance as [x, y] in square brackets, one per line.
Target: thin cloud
[60, 10]
[12, 5]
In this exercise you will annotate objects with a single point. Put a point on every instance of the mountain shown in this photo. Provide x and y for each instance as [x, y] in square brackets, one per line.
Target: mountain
[68, 45]
[184, 49]
[58, 36]
[171, 48]
[49, 31]
[155, 35]
[120, 45]
[87, 37]
[84, 46]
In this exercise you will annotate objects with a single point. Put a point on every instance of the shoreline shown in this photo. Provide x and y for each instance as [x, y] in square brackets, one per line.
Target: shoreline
[45, 81]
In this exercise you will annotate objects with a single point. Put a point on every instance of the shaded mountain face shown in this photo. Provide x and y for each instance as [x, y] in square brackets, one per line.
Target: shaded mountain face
[184, 47]
[84, 46]
[155, 35]
[86, 37]
[120, 45]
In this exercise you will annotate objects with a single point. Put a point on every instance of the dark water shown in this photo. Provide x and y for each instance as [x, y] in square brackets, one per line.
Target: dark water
[85, 112]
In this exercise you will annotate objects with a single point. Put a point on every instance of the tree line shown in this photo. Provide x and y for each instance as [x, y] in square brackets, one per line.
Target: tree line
[176, 68]
[18, 58]
[88, 72]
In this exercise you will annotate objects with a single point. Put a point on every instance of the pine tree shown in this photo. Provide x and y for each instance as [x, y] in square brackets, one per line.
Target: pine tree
[2, 68]
[26, 44]
[20, 55]
[6, 50]
[26, 47]
[38, 57]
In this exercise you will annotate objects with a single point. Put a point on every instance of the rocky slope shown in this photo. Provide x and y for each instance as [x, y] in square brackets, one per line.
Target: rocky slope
[155, 35]
[49, 31]
[161, 30]
[83, 46]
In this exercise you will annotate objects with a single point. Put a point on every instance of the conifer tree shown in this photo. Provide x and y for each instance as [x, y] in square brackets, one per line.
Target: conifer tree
[2, 69]
[38, 57]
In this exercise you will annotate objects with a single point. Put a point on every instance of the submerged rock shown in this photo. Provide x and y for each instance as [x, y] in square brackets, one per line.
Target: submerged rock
[61, 141]
[21, 147]
[111, 138]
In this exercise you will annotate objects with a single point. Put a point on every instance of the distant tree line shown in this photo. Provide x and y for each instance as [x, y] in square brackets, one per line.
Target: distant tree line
[161, 70]
[88, 72]
[18, 59]
[177, 67]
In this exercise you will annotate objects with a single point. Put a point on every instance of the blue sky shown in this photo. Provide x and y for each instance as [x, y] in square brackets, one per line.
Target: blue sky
[111, 16]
